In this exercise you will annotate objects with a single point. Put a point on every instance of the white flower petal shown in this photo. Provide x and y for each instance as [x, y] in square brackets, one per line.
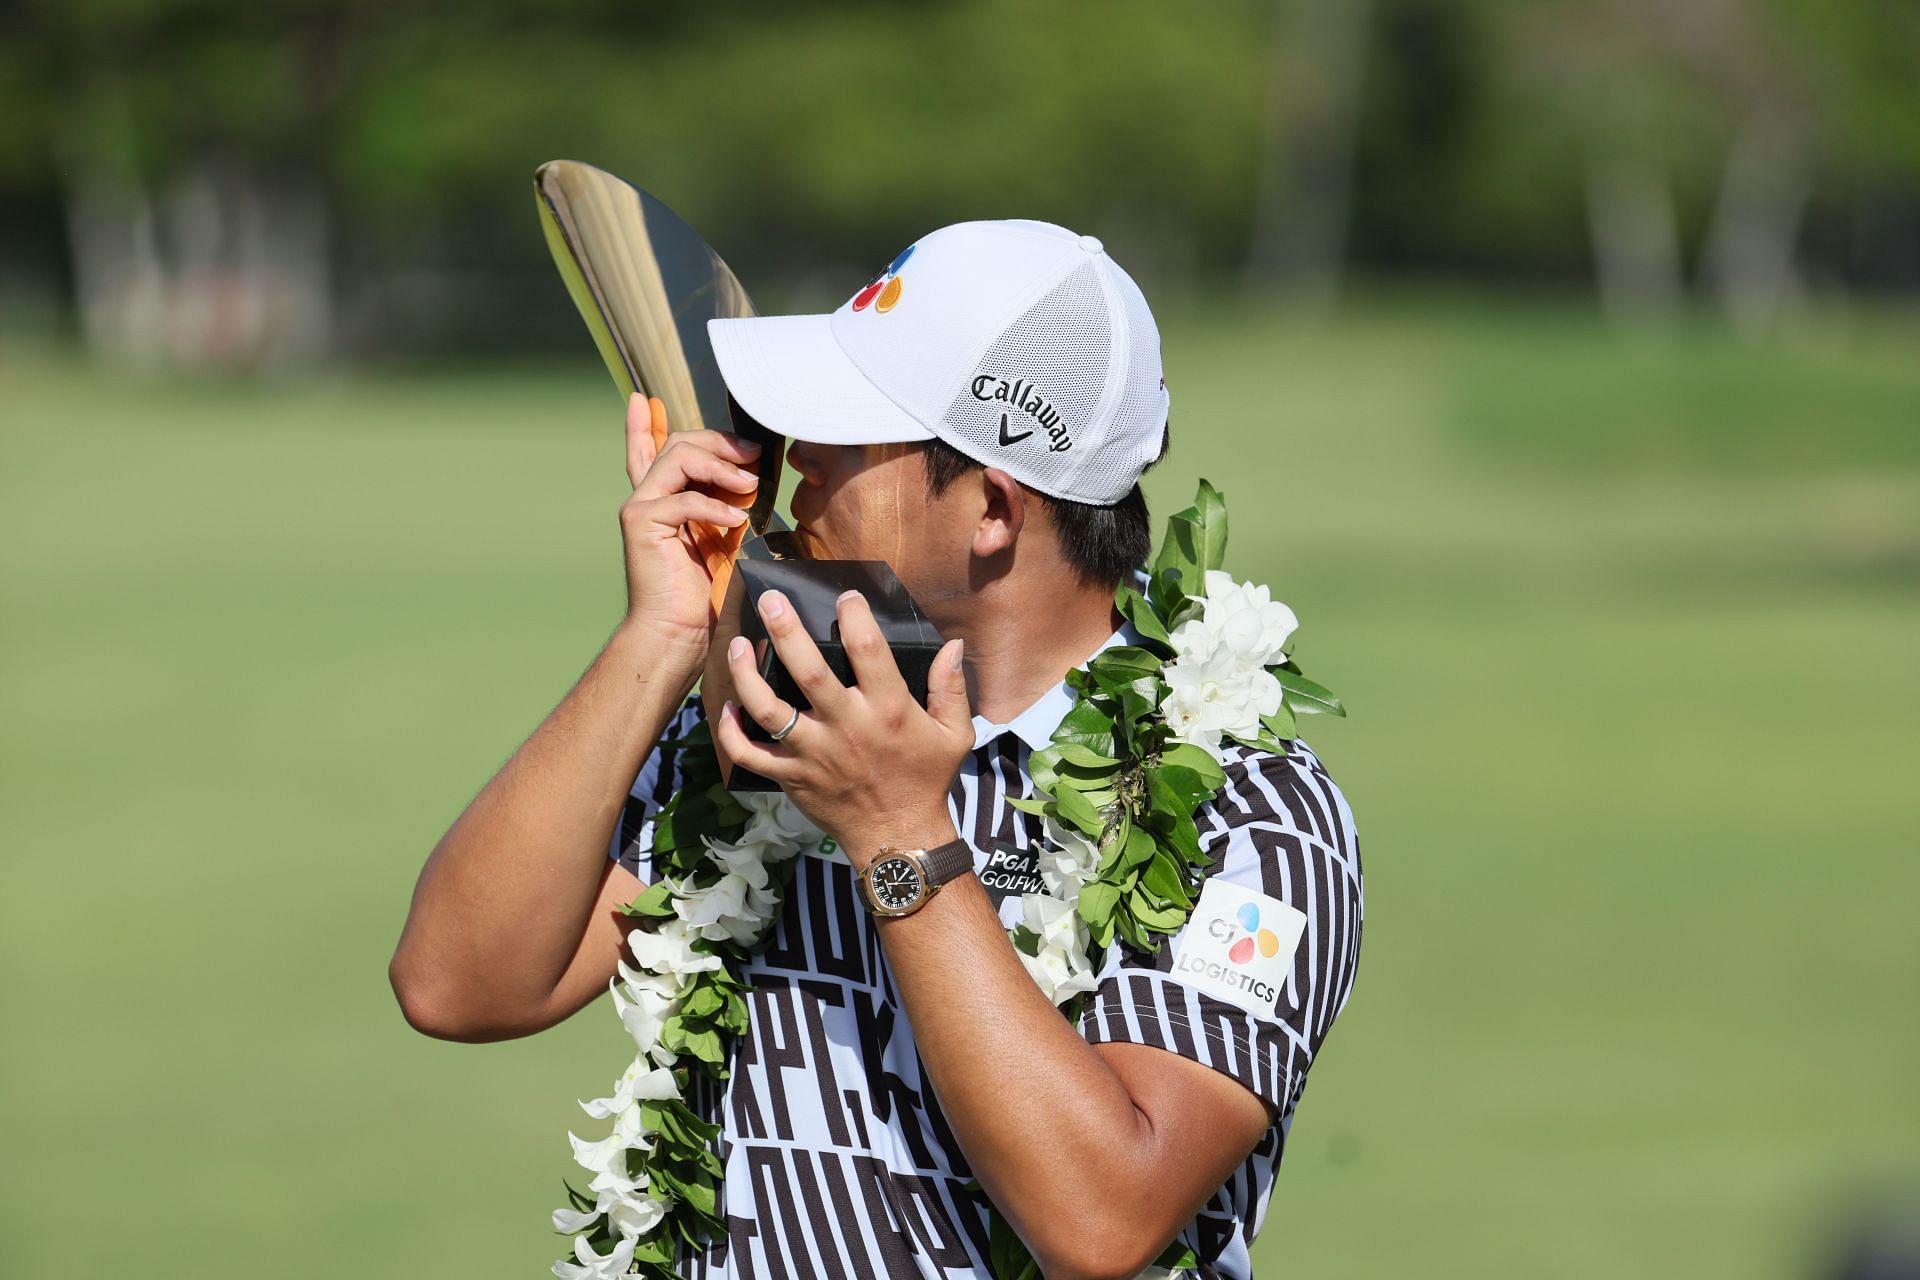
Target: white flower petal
[637, 1215]
[568, 1221]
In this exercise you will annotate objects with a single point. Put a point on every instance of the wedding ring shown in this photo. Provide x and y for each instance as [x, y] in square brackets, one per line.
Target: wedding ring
[786, 728]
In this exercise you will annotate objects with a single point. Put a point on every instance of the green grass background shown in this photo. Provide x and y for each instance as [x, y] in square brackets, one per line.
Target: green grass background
[1628, 629]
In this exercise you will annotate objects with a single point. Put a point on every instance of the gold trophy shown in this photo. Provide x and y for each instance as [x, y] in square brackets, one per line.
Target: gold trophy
[646, 284]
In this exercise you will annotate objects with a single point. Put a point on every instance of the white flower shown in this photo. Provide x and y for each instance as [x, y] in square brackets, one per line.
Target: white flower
[1213, 695]
[609, 1155]
[1066, 860]
[642, 1081]
[1060, 970]
[728, 908]
[636, 1215]
[744, 860]
[643, 1012]
[776, 821]
[570, 1221]
[668, 950]
[1238, 618]
[615, 1192]
[592, 1265]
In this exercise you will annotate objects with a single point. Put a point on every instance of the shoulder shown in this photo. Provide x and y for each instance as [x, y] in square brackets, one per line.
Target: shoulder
[1291, 792]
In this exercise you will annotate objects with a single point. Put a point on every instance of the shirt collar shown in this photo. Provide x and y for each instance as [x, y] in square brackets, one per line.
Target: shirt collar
[1036, 724]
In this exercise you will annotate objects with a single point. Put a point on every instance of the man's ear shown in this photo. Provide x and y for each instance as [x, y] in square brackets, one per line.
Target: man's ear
[1003, 516]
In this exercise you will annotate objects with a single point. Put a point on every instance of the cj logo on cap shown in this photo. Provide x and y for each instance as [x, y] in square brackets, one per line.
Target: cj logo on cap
[1238, 946]
[883, 291]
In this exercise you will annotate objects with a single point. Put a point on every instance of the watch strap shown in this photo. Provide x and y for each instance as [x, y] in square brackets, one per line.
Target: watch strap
[948, 862]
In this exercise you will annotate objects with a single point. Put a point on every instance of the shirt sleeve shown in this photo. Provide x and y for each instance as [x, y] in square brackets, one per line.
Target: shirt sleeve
[660, 774]
[1280, 828]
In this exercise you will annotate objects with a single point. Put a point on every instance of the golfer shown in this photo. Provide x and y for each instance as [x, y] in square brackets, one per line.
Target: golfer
[978, 417]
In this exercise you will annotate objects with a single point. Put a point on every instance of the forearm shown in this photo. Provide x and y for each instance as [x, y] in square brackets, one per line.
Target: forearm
[503, 900]
[1047, 1126]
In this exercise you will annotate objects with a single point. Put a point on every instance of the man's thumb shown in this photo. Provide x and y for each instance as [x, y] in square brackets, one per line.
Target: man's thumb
[947, 688]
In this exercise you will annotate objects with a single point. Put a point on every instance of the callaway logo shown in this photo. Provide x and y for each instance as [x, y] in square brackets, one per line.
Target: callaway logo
[1021, 395]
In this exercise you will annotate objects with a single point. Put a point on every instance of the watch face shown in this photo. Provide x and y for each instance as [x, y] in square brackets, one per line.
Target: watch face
[896, 883]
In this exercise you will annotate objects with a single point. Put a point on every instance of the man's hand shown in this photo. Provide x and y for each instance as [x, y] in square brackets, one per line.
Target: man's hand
[868, 765]
[669, 584]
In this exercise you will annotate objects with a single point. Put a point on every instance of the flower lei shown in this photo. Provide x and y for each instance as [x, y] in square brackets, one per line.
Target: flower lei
[1116, 790]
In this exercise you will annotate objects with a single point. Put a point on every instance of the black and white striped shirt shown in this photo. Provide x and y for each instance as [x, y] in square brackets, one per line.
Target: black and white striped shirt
[838, 1159]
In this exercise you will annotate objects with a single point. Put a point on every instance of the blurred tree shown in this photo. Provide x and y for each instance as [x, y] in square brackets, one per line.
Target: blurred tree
[1728, 110]
[1311, 131]
[245, 185]
[185, 137]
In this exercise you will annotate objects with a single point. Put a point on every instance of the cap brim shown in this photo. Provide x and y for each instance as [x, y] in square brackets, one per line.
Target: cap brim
[792, 376]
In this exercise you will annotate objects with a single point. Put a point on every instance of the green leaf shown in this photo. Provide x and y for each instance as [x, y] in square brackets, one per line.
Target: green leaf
[1129, 662]
[1188, 756]
[1159, 919]
[1138, 700]
[1167, 591]
[1034, 804]
[1175, 792]
[1180, 556]
[1163, 878]
[1130, 930]
[1185, 787]
[1078, 810]
[1134, 608]
[655, 903]
[1087, 726]
[1177, 1254]
[1210, 548]
[1306, 697]
[1040, 767]
[1096, 903]
[700, 1196]
[1113, 844]
[1085, 757]
[703, 1002]
[1140, 847]
[1281, 723]
[704, 1045]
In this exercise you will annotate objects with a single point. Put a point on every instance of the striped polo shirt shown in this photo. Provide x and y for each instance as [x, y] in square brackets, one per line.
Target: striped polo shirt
[838, 1161]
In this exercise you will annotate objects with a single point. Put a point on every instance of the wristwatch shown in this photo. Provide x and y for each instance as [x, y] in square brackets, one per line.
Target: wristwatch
[898, 882]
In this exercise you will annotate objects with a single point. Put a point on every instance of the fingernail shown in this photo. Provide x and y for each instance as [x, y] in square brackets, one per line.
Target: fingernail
[751, 446]
[737, 647]
[773, 605]
[746, 475]
[847, 595]
[959, 653]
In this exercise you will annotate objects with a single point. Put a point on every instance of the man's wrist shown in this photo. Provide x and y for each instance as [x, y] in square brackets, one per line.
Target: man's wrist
[672, 653]
[925, 833]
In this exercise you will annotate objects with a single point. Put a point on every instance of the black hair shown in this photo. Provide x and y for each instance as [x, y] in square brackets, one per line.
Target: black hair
[1104, 544]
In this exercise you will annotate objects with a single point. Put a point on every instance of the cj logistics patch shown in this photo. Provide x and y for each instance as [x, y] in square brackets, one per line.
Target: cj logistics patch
[1238, 946]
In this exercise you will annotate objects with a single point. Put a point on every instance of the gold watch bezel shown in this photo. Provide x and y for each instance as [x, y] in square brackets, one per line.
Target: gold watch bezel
[915, 858]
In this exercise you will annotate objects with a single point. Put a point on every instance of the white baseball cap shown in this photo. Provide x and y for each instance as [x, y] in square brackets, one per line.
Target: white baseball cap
[1021, 344]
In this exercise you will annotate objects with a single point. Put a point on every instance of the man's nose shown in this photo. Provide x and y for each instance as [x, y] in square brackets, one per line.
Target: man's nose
[810, 460]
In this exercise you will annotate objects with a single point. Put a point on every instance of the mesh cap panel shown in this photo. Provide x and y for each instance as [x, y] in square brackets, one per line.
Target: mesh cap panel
[1030, 405]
